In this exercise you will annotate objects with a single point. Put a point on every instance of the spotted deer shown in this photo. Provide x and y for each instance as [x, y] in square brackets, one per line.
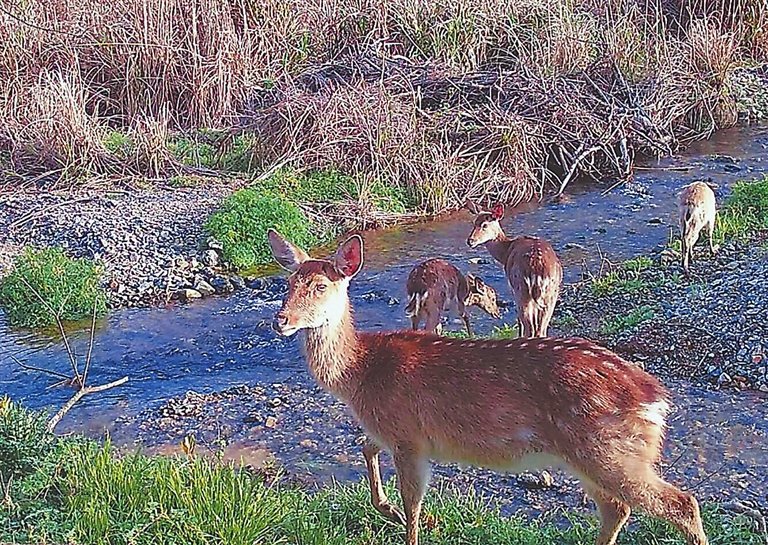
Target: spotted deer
[547, 401]
[531, 265]
[696, 210]
[435, 286]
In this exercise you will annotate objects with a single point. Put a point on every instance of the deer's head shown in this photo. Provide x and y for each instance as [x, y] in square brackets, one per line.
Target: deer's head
[482, 296]
[486, 226]
[317, 288]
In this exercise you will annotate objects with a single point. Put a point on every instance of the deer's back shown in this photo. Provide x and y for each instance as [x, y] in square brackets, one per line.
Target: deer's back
[696, 203]
[480, 401]
[439, 278]
[532, 258]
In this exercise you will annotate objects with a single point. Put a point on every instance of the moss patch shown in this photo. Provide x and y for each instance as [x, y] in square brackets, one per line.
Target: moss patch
[69, 287]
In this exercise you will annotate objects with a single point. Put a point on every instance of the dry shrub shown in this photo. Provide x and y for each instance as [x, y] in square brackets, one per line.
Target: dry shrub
[46, 124]
[448, 97]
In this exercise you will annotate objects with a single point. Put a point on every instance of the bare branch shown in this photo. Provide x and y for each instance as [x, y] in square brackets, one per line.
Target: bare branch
[85, 390]
[70, 353]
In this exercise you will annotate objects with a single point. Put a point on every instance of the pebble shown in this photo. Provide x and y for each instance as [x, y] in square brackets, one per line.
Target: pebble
[189, 294]
[205, 289]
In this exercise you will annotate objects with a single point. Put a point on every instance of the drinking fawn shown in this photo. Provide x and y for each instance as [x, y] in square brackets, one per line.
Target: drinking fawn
[496, 404]
[532, 268]
[435, 286]
[696, 210]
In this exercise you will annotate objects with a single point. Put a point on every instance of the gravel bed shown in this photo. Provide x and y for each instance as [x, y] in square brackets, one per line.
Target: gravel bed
[710, 327]
[151, 241]
[308, 438]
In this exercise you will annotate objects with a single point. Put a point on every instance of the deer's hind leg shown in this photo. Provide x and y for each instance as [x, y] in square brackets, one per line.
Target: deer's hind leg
[634, 482]
[613, 514]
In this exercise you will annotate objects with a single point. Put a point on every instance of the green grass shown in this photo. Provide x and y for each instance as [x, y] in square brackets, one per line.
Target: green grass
[70, 287]
[119, 143]
[80, 492]
[744, 211]
[623, 322]
[193, 151]
[625, 279]
[614, 282]
[567, 320]
[242, 222]
[637, 264]
[332, 186]
[504, 331]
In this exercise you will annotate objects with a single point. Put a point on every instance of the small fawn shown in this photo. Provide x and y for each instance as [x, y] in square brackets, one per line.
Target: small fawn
[696, 210]
[497, 404]
[435, 285]
[531, 265]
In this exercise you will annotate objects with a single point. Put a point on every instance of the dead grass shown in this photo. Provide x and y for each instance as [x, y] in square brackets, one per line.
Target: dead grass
[495, 98]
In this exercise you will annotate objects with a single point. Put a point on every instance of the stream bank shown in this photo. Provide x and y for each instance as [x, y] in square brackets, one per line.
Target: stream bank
[224, 351]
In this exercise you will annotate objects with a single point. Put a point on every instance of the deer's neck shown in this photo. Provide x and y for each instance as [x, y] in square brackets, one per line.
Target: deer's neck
[332, 353]
[499, 248]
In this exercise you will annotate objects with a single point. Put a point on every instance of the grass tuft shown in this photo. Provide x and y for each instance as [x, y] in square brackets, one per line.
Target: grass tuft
[744, 211]
[69, 287]
[623, 322]
[242, 222]
[84, 493]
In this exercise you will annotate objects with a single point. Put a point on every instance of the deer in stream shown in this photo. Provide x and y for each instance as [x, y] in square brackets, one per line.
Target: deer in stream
[435, 286]
[530, 263]
[496, 404]
[696, 210]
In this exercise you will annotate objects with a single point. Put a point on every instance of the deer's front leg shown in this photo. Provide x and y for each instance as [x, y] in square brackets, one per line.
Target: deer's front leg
[378, 497]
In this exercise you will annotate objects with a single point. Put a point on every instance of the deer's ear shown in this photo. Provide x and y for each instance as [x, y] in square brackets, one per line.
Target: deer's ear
[498, 212]
[470, 205]
[286, 254]
[349, 257]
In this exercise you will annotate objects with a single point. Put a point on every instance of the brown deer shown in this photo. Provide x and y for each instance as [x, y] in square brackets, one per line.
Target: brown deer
[533, 402]
[696, 209]
[531, 265]
[435, 286]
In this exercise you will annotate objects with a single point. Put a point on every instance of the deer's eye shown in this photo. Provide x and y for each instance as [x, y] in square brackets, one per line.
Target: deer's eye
[321, 287]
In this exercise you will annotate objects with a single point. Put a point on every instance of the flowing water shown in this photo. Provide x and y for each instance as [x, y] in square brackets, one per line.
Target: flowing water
[218, 343]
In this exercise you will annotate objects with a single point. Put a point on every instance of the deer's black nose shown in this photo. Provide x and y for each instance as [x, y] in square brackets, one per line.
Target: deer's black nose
[280, 321]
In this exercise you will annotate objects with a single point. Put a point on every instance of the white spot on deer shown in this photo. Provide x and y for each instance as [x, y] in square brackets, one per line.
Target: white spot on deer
[524, 345]
[437, 343]
[655, 412]
[525, 434]
[470, 345]
[590, 354]
[557, 347]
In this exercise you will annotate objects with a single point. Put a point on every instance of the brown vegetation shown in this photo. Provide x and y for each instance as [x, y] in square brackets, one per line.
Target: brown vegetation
[451, 99]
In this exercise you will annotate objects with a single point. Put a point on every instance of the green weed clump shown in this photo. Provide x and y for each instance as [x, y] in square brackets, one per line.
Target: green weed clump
[499, 332]
[83, 493]
[623, 322]
[66, 288]
[242, 222]
[24, 439]
[333, 186]
[744, 211]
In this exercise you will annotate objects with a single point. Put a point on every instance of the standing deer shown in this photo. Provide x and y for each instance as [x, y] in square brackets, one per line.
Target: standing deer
[435, 286]
[696, 209]
[532, 268]
[525, 401]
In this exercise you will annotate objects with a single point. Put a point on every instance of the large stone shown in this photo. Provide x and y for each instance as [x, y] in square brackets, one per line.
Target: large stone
[205, 289]
[188, 294]
[210, 258]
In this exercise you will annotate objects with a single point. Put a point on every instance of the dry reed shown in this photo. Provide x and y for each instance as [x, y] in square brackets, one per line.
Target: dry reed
[466, 98]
